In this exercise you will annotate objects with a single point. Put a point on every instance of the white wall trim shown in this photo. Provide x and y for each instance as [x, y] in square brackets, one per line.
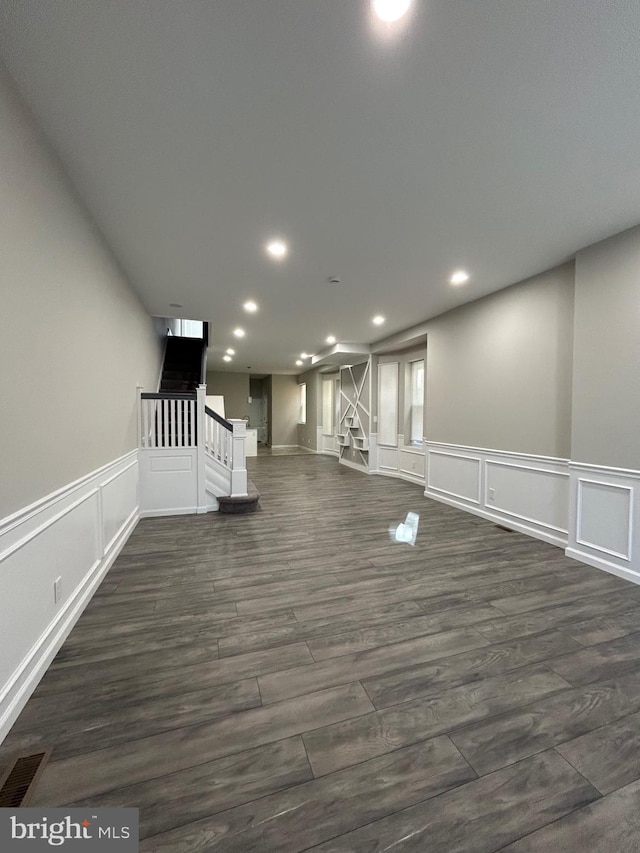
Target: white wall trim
[449, 492]
[493, 452]
[354, 465]
[22, 515]
[521, 491]
[605, 516]
[497, 518]
[60, 535]
[579, 537]
[563, 530]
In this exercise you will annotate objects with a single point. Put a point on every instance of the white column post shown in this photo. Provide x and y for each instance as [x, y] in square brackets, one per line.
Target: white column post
[201, 455]
[239, 458]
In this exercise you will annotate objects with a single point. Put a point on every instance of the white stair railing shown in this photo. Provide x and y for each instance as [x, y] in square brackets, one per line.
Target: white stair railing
[167, 420]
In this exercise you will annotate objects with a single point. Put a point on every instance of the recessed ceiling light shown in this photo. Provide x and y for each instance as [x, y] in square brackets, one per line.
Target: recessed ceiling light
[277, 249]
[230, 351]
[331, 339]
[378, 320]
[304, 355]
[226, 358]
[175, 305]
[239, 333]
[390, 10]
[298, 362]
[250, 306]
[459, 277]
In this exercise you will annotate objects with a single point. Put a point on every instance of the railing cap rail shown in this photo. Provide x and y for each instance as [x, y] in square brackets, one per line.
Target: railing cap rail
[170, 395]
[218, 418]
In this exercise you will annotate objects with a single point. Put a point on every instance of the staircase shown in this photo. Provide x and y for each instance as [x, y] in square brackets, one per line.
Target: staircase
[183, 360]
[192, 460]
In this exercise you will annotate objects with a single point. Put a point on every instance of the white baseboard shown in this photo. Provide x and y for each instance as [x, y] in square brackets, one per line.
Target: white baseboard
[520, 527]
[74, 534]
[180, 510]
[606, 566]
[354, 465]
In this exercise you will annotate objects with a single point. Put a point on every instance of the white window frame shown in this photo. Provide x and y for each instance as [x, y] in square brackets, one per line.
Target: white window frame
[302, 403]
[415, 403]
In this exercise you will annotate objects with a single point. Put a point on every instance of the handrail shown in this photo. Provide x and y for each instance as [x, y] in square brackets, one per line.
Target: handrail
[170, 395]
[218, 418]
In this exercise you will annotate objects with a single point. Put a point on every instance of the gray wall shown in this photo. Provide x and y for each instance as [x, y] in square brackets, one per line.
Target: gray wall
[74, 339]
[234, 387]
[606, 380]
[284, 409]
[499, 370]
[308, 433]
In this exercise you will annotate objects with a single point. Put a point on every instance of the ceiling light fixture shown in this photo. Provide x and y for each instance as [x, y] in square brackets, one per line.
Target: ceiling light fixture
[459, 277]
[239, 333]
[378, 320]
[331, 339]
[175, 305]
[298, 362]
[250, 306]
[277, 249]
[304, 355]
[390, 10]
[226, 358]
[230, 351]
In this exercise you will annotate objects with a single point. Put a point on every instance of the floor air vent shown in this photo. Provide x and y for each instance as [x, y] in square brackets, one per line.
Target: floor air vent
[18, 783]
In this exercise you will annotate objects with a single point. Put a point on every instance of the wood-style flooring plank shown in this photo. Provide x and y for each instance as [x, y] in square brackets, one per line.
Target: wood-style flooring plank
[609, 825]
[70, 779]
[541, 725]
[479, 817]
[295, 682]
[345, 743]
[309, 814]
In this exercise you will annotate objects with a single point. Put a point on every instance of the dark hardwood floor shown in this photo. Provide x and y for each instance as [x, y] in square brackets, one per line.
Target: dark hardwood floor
[294, 680]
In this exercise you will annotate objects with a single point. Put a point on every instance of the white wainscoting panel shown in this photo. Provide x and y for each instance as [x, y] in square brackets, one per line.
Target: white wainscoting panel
[412, 464]
[74, 534]
[168, 481]
[387, 459]
[326, 443]
[537, 495]
[454, 474]
[521, 491]
[605, 512]
[398, 460]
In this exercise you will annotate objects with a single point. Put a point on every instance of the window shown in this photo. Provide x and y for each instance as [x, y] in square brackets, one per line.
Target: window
[328, 407]
[388, 404]
[302, 414]
[416, 401]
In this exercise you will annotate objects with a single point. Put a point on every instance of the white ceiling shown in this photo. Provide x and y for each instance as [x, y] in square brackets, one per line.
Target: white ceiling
[495, 135]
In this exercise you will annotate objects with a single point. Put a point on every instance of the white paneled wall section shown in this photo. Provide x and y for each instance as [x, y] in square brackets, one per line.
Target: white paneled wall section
[521, 491]
[605, 519]
[73, 535]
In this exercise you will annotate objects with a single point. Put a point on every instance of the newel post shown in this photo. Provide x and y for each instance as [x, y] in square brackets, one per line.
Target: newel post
[239, 457]
[201, 393]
